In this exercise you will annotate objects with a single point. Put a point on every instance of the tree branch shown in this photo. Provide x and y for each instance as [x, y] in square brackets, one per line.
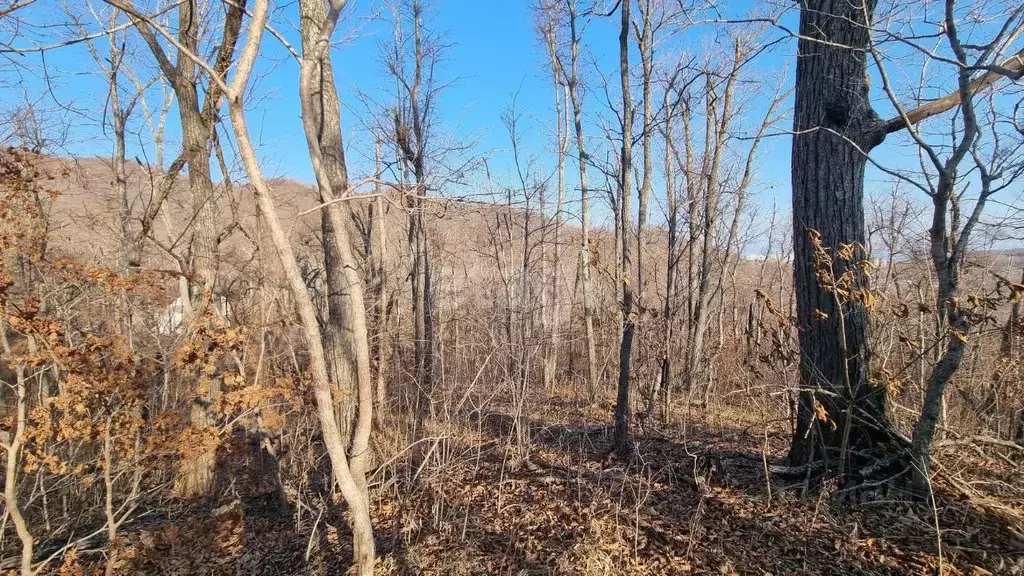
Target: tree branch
[1012, 68]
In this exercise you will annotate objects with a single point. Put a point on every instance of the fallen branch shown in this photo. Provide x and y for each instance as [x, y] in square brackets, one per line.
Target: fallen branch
[982, 440]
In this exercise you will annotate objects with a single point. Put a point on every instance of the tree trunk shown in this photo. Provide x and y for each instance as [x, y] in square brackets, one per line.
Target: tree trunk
[383, 336]
[196, 475]
[347, 331]
[334, 219]
[714, 142]
[352, 490]
[832, 119]
[1006, 345]
[663, 382]
[585, 257]
[196, 121]
[622, 440]
[941, 374]
[12, 443]
[411, 134]
[550, 308]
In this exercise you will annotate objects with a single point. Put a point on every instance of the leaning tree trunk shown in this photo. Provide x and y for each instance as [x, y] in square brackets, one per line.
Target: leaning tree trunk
[345, 341]
[834, 127]
[347, 330]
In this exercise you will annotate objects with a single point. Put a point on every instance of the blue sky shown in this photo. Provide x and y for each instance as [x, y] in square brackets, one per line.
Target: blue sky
[493, 53]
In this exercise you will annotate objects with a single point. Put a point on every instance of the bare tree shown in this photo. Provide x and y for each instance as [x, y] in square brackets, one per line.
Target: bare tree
[514, 248]
[834, 129]
[994, 155]
[622, 439]
[550, 308]
[197, 120]
[322, 126]
[111, 65]
[349, 473]
[12, 442]
[670, 105]
[322, 108]
[413, 117]
[572, 80]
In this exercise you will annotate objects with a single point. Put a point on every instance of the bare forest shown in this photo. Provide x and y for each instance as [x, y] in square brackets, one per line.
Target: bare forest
[716, 288]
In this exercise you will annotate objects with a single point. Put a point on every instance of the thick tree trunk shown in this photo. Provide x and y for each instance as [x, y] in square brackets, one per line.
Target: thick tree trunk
[196, 121]
[196, 475]
[326, 110]
[197, 124]
[196, 132]
[834, 126]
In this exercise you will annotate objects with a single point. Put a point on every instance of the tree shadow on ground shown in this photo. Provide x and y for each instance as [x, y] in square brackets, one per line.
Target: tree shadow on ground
[702, 505]
[709, 504]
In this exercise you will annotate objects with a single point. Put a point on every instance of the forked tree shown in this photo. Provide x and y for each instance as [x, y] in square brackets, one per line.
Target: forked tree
[197, 118]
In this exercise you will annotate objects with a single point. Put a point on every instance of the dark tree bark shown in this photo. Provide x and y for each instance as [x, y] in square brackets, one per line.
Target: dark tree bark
[834, 127]
[840, 412]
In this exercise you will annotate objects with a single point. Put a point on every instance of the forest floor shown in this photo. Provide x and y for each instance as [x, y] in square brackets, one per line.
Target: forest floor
[695, 500]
